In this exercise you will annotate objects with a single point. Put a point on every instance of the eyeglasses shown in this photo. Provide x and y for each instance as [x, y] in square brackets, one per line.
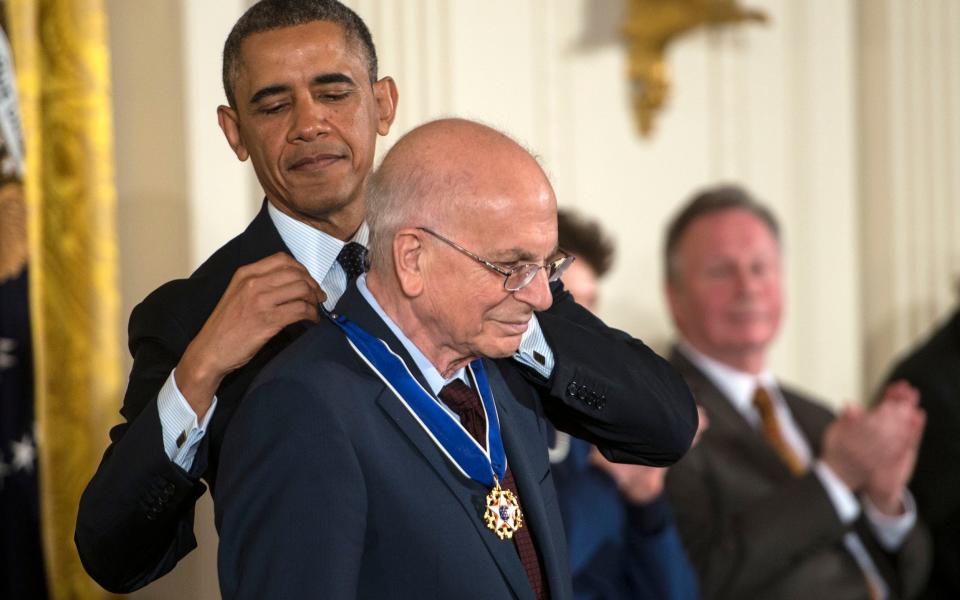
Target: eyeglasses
[518, 277]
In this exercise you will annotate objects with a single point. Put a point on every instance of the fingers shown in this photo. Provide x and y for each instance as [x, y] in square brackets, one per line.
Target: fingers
[273, 271]
[900, 392]
[271, 263]
[296, 290]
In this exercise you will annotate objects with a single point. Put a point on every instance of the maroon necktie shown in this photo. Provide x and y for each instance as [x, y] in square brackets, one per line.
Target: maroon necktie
[466, 403]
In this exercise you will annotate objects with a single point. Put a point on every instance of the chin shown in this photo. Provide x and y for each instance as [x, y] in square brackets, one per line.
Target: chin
[501, 348]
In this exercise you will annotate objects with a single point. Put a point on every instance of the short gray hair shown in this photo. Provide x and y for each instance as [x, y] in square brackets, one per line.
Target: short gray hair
[389, 208]
[710, 201]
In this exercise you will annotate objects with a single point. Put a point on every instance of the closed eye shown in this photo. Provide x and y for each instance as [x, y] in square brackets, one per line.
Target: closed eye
[271, 109]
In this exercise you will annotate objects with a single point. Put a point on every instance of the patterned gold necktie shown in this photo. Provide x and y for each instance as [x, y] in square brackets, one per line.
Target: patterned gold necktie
[773, 433]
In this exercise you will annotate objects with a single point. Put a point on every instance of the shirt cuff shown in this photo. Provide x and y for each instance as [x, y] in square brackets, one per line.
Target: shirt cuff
[843, 500]
[534, 351]
[182, 433]
[891, 530]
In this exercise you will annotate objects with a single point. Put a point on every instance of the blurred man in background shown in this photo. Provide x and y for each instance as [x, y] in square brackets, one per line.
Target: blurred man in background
[780, 499]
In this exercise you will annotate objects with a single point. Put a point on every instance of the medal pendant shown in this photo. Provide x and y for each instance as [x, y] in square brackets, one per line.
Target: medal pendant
[503, 515]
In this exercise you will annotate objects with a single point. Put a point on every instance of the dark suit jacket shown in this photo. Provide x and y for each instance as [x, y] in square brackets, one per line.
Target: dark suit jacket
[330, 489]
[754, 531]
[934, 369]
[136, 516]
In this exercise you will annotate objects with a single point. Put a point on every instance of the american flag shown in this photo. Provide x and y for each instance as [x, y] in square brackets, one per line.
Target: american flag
[21, 551]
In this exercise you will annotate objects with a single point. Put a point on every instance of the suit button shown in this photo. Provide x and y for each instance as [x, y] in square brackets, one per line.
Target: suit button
[572, 389]
[168, 490]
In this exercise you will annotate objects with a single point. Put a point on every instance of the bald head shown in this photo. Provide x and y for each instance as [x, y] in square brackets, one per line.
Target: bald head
[454, 207]
[445, 174]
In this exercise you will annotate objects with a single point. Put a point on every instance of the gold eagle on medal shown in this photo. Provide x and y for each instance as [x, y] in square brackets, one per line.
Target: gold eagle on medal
[503, 515]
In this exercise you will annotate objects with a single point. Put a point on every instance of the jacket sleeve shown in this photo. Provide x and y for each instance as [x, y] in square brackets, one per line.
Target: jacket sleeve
[611, 389]
[135, 519]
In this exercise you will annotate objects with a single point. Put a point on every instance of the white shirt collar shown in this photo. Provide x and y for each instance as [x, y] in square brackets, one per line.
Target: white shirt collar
[434, 379]
[736, 385]
[312, 248]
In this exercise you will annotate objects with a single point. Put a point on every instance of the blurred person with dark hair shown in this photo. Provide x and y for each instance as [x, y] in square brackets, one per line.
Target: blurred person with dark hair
[780, 499]
[934, 369]
[622, 537]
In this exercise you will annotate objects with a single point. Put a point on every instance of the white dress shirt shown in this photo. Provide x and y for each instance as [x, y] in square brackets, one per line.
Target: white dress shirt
[739, 387]
[317, 251]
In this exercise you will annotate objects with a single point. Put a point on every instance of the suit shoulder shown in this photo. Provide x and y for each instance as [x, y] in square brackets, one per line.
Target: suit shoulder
[935, 360]
[319, 355]
[183, 305]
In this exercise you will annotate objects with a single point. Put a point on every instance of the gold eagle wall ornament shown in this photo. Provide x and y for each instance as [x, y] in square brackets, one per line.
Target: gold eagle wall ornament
[651, 26]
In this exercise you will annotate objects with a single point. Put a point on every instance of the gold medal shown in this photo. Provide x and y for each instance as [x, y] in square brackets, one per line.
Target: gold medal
[503, 515]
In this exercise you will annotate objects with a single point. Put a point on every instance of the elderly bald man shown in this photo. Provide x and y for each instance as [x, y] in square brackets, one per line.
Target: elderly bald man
[386, 454]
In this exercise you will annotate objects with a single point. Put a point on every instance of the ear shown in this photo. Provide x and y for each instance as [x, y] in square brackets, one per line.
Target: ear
[674, 300]
[386, 96]
[408, 261]
[230, 125]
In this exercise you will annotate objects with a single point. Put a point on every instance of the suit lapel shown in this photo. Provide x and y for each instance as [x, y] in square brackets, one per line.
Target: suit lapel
[261, 238]
[727, 422]
[517, 434]
[469, 494]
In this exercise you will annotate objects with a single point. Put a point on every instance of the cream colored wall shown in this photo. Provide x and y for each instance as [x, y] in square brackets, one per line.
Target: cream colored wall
[770, 106]
[910, 168]
[844, 116]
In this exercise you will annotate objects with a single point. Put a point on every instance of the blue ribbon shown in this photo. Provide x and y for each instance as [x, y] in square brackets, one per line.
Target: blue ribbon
[446, 432]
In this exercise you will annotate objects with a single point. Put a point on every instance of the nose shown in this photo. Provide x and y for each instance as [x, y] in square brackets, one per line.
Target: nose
[536, 293]
[748, 282]
[309, 121]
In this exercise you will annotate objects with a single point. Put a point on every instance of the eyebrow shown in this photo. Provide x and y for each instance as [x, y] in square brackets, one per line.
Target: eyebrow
[523, 255]
[322, 79]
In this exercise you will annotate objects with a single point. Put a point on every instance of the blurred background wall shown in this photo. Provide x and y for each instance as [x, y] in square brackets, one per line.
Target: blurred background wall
[842, 115]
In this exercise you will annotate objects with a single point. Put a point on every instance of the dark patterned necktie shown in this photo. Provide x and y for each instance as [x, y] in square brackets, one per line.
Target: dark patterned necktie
[466, 403]
[353, 259]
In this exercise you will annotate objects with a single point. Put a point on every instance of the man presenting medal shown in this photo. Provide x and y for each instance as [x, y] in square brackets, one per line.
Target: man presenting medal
[389, 452]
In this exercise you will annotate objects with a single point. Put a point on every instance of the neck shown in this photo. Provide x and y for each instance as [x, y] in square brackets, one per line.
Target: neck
[341, 223]
[752, 361]
[398, 307]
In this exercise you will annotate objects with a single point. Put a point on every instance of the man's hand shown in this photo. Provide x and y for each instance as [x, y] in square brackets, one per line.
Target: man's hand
[262, 298]
[852, 447]
[640, 484]
[900, 405]
[860, 445]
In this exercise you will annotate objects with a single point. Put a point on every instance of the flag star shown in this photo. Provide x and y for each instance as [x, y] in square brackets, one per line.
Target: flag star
[23, 454]
[7, 358]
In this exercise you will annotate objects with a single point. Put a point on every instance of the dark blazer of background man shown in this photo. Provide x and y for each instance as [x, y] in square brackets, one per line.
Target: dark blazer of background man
[797, 504]
[934, 369]
[310, 134]
[330, 488]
